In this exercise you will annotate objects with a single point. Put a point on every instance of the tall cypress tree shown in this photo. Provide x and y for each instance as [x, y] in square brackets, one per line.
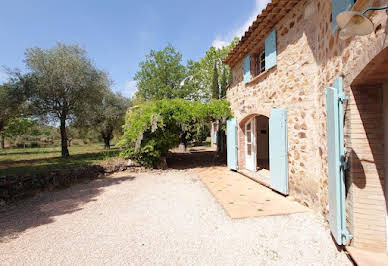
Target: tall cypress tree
[224, 82]
[230, 76]
[215, 86]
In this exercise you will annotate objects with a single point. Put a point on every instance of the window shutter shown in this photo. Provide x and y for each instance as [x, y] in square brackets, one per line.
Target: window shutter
[253, 70]
[231, 142]
[337, 7]
[278, 150]
[336, 162]
[247, 69]
[270, 50]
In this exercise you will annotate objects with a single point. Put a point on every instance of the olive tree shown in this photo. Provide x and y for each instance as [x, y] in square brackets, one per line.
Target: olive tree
[65, 83]
[4, 112]
[109, 116]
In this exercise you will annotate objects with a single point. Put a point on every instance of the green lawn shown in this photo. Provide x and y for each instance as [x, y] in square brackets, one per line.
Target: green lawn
[37, 160]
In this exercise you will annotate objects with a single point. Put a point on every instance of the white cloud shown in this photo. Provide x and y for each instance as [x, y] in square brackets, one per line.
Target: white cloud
[218, 43]
[221, 41]
[127, 89]
[130, 88]
[261, 4]
[3, 77]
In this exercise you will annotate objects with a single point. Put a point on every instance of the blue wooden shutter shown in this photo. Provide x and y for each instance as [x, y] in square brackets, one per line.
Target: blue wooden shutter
[231, 142]
[336, 164]
[270, 50]
[278, 151]
[337, 7]
[247, 69]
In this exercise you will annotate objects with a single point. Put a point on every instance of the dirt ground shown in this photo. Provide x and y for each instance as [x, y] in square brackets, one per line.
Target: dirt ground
[155, 218]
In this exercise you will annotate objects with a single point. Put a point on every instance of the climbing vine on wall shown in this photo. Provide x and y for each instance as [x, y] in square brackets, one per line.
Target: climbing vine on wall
[153, 128]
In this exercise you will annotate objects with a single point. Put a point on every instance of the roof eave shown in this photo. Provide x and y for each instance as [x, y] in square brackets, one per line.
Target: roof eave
[264, 23]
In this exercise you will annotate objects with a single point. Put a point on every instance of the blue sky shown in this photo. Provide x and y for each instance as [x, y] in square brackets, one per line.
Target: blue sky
[118, 34]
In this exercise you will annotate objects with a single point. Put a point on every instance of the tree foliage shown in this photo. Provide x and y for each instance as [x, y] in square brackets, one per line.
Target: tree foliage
[215, 85]
[27, 131]
[19, 126]
[202, 73]
[109, 116]
[226, 79]
[12, 103]
[153, 128]
[64, 83]
[161, 75]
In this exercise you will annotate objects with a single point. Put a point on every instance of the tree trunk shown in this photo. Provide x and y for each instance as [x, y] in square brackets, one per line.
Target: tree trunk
[221, 140]
[107, 142]
[182, 142]
[107, 136]
[2, 141]
[65, 150]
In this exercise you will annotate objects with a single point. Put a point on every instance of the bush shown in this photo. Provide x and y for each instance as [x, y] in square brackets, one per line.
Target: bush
[153, 128]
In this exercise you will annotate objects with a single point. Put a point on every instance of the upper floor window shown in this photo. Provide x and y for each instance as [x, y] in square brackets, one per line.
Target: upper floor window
[258, 61]
[261, 59]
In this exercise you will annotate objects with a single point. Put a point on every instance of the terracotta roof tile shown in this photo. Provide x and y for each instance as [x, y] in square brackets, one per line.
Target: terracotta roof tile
[263, 24]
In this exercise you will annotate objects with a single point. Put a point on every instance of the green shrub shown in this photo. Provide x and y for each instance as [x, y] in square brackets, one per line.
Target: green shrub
[153, 128]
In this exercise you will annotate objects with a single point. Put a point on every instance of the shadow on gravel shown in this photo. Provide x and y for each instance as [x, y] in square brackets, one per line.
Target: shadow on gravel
[17, 217]
[194, 158]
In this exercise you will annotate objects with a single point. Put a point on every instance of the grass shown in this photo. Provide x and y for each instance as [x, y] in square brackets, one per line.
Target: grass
[37, 160]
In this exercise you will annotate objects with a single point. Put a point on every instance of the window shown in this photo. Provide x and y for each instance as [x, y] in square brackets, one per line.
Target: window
[258, 63]
[261, 59]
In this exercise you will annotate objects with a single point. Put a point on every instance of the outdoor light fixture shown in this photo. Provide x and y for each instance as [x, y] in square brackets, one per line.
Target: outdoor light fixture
[355, 23]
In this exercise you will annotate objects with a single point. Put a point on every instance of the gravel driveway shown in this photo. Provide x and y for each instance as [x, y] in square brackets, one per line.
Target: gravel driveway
[154, 218]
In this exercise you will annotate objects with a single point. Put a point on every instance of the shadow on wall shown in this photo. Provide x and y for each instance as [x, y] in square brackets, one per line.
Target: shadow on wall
[367, 89]
[40, 210]
[358, 178]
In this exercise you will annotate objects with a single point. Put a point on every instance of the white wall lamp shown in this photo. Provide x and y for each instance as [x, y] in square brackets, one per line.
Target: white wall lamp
[355, 23]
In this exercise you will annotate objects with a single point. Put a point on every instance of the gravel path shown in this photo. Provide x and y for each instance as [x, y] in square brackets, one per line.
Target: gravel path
[157, 218]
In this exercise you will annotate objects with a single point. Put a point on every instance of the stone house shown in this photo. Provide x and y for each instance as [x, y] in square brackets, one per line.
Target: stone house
[311, 113]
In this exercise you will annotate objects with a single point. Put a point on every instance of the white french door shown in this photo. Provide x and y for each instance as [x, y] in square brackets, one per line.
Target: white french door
[250, 145]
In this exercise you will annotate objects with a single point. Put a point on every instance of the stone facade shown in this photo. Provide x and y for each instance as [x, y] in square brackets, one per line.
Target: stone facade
[310, 57]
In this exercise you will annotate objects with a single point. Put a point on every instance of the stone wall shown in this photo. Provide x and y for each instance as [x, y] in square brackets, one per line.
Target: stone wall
[366, 207]
[291, 85]
[15, 187]
[310, 57]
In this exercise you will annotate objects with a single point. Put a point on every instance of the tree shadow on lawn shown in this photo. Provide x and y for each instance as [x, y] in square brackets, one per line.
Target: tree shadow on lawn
[194, 158]
[17, 217]
[29, 152]
[43, 165]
